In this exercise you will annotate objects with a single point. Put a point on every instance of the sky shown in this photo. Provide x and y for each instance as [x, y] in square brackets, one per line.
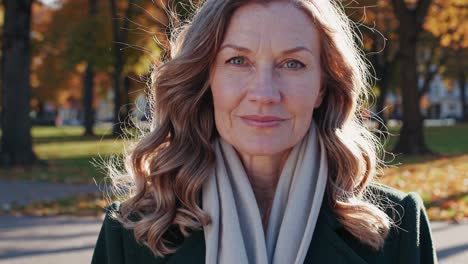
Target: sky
[52, 3]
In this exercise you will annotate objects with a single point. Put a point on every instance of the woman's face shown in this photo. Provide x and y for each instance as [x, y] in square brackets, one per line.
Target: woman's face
[266, 78]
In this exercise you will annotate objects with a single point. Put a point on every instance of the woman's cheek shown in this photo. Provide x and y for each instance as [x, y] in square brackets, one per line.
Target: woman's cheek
[300, 97]
[225, 93]
[233, 83]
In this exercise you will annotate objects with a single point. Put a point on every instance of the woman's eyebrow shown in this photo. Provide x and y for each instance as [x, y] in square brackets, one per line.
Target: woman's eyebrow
[247, 50]
[235, 47]
[297, 49]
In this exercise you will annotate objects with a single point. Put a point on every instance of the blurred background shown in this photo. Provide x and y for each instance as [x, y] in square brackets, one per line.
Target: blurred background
[72, 88]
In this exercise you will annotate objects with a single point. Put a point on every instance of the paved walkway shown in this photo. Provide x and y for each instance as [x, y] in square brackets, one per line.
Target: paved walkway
[24, 192]
[451, 241]
[47, 240]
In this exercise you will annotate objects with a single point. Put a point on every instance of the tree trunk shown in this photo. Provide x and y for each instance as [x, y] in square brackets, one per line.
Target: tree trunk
[384, 64]
[127, 93]
[386, 68]
[120, 38]
[462, 84]
[118, 66]
[411, 140]
[128, 120]
[116, 130]
[16, 143]
[383, 85]
[88, 82]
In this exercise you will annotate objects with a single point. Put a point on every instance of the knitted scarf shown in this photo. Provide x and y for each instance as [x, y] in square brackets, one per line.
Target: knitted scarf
[236, 233]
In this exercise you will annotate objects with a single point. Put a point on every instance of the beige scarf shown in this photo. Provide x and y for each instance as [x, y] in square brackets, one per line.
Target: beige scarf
[236, 233]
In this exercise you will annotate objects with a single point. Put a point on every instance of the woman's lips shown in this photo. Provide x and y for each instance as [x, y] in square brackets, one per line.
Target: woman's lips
[262, 121]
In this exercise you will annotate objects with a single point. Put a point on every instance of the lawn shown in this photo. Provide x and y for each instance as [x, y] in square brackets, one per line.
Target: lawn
[444, 141]
[70, 156]
[441, 180]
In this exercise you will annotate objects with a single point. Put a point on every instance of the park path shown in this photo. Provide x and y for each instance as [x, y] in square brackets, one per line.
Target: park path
[451, 241]
[25, 192]
[47, 240]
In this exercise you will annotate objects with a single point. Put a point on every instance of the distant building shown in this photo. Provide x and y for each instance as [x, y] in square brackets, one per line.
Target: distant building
[443, 101]
[69, 114]
[105, 108]
[140, 109]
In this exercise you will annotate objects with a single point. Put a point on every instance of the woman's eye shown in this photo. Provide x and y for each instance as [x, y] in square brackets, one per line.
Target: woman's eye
[294, 64]
[236, 60]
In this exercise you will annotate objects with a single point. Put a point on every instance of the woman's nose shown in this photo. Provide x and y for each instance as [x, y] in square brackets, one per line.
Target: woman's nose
[264, 87]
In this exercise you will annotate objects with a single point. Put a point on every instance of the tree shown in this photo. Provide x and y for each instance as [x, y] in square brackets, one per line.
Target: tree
[66, 48]
[86, 45]
[445, 24]
[16, 143]
[378, 23]
[58, 67]
[461, 64]
[411, 18]
[432, 57]
[47, 71]
[88, 79]
[431, 51]
[119, 43]
[455, 68]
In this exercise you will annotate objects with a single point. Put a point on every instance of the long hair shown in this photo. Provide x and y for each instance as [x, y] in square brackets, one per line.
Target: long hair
[166, 169]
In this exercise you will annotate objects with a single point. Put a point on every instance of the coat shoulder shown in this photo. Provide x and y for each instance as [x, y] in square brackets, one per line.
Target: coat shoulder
[109, 243]
[408, 240]
[392, 194]
[394, 202]
[410, 233]
[117, 245]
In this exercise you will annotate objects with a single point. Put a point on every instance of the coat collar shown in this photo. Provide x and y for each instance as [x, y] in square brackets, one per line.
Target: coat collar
[326, 245]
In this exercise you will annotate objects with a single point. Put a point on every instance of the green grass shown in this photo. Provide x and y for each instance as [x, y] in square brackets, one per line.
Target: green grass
[443, 141]
[452, 141]
[64, 132]
[69, 155]
[78, 148]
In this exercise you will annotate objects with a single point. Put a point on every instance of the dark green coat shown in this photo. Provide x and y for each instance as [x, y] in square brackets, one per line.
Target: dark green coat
[408, 242]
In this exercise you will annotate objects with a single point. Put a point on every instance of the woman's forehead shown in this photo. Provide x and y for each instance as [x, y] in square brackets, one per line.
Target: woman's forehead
[279, 24]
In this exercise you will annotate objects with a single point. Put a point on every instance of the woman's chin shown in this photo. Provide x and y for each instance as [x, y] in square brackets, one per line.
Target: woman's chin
[262, 148]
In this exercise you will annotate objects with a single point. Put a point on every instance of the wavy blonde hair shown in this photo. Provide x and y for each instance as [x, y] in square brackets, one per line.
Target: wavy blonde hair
[169, 165]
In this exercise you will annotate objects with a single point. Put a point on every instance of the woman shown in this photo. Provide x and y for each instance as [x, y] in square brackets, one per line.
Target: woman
[257, 153]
